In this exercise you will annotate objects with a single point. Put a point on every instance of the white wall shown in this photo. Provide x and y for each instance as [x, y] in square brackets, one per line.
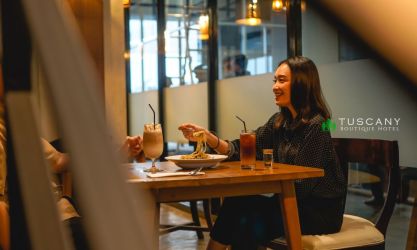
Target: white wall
[319, 39]
[360, 88]
[182, 104]
[185, 104]
[139, 111]
[249, 97]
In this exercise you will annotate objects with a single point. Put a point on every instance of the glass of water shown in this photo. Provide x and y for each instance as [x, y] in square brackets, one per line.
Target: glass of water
[268, 157]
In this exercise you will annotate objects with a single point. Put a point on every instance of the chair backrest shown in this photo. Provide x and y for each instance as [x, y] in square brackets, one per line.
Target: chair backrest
[374, 152]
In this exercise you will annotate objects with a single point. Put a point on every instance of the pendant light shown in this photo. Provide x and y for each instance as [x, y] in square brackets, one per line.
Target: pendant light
[251, 13]
[203, 23]
[277, 5]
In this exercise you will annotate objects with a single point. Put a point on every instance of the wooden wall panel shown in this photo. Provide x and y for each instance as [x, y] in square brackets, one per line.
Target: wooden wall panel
[89, 15]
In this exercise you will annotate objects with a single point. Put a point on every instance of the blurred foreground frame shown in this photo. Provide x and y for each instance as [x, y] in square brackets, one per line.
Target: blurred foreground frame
[109, 207]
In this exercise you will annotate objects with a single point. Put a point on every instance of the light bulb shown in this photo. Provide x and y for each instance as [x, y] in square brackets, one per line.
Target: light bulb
[277, 5]
[203, 23]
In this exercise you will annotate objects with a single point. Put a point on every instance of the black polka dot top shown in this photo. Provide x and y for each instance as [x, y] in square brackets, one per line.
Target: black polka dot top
[305, 146]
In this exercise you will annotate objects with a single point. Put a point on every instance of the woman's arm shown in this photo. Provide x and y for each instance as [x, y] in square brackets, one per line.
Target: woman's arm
[132, 148]
[4, 227]
[57, 160]
[214, 142]
[317, 151]
[232, 149]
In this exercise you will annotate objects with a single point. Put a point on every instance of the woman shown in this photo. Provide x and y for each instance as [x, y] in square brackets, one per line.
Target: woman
[296, 137]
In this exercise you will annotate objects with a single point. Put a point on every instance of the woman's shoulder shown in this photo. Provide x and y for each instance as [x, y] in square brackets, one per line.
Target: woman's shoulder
[317, 119]
[315, 123]
[273, 118]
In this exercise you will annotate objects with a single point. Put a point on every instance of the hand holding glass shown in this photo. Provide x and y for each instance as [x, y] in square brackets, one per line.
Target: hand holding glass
[153, 144]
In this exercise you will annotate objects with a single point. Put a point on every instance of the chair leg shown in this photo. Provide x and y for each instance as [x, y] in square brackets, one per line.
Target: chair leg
[405, 189]
[196, 219]
[215, 205]
[207, 213]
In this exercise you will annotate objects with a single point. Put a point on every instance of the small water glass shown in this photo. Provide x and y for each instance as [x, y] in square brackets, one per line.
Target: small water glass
[268, 157]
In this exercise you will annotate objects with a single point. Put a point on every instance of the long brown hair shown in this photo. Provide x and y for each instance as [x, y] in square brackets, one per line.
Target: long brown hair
[306, 95]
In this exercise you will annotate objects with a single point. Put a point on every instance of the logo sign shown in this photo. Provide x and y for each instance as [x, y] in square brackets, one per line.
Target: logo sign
[369, 124]
[328, 125]
[362, 124]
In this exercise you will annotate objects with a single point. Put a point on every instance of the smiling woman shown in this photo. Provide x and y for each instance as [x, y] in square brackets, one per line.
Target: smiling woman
[282, 87]
[298, 91]
[295, 137]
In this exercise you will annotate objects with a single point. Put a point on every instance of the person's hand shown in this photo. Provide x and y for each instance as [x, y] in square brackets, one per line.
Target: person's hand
[133, 146]
[188, 129]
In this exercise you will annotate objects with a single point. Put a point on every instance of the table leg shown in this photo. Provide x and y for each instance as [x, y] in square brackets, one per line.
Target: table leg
[150, 216]
[290, 215]
[155, 231]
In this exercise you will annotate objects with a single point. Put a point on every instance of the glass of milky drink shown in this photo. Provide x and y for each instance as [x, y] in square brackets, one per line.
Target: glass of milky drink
[153, 144]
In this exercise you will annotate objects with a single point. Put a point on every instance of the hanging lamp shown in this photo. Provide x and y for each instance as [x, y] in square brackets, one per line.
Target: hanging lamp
[251, 13]
[203, 23]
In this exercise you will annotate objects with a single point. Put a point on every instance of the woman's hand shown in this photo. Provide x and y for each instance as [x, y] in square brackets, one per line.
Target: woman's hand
[188, 129]
[133, 146]
[219, 145]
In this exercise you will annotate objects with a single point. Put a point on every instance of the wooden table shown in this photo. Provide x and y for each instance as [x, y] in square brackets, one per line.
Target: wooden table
[227, 180]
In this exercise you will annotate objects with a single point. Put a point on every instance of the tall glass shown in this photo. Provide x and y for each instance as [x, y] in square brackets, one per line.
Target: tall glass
[248, 150]
[153, 144]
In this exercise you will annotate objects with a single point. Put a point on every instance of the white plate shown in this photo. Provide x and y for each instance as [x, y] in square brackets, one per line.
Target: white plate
[212, 161]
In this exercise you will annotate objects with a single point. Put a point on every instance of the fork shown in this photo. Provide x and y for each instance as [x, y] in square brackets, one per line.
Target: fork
[196, 171]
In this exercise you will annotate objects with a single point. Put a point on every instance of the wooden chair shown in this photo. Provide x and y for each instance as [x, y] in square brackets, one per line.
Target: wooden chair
[195, 225]
[357, 232]
[412, 230]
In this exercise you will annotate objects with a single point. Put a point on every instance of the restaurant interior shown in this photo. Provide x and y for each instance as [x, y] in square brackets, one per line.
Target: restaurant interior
[86, 74]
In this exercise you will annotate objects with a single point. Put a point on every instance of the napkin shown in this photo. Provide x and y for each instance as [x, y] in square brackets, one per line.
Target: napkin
[157, 175]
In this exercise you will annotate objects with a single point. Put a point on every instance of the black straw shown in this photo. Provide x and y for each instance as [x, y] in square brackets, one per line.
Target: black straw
[154, 126]
[244, 123]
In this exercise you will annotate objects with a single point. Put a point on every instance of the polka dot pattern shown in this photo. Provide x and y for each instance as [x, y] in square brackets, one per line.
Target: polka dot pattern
[306, 146]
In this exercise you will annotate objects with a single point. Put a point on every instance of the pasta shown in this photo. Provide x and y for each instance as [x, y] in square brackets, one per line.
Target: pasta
[200, 151]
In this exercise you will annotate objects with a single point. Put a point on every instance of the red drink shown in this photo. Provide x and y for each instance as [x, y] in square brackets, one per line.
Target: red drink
[247, 150]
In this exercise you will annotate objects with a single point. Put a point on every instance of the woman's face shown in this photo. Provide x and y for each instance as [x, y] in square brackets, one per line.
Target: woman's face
[282, 86]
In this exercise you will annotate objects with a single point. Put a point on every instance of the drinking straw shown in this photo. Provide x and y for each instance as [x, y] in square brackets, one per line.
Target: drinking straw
[244, 123]
[154, 126]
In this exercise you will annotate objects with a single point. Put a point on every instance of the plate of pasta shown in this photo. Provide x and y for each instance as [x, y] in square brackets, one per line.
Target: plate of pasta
[211, 161]
[198, 158]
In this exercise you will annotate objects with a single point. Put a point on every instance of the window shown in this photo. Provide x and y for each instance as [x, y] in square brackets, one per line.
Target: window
[184, 50]
[143, 47]
[243, 50]
[250, 50]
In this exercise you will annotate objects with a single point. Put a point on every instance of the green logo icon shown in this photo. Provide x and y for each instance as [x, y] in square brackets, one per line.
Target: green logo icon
[328, 125]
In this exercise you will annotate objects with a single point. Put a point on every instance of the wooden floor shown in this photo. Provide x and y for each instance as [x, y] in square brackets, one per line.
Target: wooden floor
[187, 240]
[180, 240]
